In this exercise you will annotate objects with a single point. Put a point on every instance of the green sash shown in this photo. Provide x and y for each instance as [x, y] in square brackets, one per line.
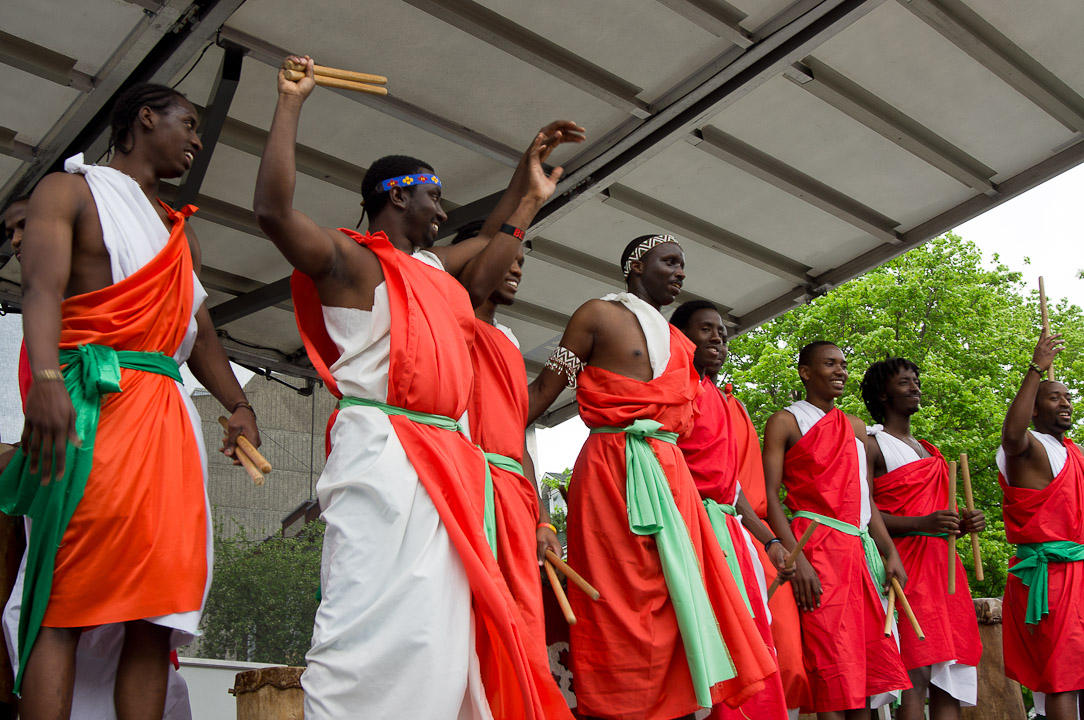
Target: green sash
[90, 371]
[490, 521]
[717, 515]
[652, 511]
[1032, 571]
[873, 557]
[489, 513]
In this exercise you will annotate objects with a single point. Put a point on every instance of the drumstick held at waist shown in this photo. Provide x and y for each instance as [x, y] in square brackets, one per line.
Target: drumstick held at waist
[247, 448]
[792, 556]
[572, 575]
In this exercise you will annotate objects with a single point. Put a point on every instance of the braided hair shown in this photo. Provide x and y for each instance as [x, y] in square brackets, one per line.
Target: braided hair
[373, 199]
[875, 381]
[127, 107]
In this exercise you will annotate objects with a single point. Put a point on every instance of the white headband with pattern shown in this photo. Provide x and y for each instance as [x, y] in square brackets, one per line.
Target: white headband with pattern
[644, 247]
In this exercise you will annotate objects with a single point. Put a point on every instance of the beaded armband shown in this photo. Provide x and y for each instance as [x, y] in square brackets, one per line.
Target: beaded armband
[564, 362]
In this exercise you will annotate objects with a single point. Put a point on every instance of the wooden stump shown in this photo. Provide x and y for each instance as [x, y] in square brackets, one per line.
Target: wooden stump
[272, 693]
[999, 697]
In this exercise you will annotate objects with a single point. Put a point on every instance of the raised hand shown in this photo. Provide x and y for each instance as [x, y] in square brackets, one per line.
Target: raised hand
[1047, 349]
[298, 88]
[48, 427]
[541, 185]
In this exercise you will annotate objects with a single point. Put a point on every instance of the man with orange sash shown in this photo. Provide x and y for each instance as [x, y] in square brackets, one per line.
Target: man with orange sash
[497, 419]
[671, 632]
[816, 451]
[910, 488]
[1042, 483]
[717, 457]
[415, 618]
[113, 480]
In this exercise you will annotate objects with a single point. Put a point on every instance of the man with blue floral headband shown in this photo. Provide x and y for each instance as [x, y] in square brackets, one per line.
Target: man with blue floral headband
[671, 633]
[415, 619]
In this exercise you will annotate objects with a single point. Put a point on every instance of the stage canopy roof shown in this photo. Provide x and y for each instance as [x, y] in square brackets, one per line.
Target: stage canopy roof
[789, 144]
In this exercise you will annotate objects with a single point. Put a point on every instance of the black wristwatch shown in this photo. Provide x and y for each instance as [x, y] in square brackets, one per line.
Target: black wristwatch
[768, 545]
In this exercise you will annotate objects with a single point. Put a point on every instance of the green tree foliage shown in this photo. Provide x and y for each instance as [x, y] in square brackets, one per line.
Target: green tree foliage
[970, 328]
[264, 597]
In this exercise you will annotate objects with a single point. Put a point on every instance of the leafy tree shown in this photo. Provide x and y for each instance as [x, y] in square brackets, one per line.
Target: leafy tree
[970, 328]
[264, 597]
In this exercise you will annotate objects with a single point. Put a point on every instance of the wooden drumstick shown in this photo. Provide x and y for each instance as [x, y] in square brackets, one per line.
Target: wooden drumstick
[1046, 322]
[244, 459]
[951, 538]
[891, 610]
[247, 447]
[572, 575]
[792, 556]
[969, 498]
[340, 74]
[324, 81]
[559, 591]
[901, 600]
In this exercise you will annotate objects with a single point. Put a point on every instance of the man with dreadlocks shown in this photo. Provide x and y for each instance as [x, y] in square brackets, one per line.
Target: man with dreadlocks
[114, 471]
[1042, 482]
[910, 488]
[817, 452]
[671, 632]
[415, 618]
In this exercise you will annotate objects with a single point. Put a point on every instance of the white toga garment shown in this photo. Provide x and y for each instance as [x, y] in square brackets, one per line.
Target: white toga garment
[958, 680]
[133, 234]
[394, 634]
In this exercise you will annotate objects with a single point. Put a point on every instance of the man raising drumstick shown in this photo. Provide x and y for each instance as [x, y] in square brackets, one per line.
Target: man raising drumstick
[415, 620]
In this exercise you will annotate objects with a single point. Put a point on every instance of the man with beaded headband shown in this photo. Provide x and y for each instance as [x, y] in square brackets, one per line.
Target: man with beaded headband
[415, 618]
[1042, 483]
[671, 632]
[115, 472]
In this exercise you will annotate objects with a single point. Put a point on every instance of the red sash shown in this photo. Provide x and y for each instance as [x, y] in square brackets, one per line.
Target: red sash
[432, 328]
[137, 544]
[628, 660]
[952, 633]
[1046, 657]
[847, 657]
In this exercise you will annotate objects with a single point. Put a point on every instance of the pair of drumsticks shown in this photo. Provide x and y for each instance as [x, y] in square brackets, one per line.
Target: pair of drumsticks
[341, 79]
[895, 590]
[553, 560]
[252, 461]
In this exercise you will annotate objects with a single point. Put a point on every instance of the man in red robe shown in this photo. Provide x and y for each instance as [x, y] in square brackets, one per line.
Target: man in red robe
[114, 472]
[671, 632]
[910, 488]
[1042, 482]
[817, 453]
[497, 418]
[717, 457]
[415, 619]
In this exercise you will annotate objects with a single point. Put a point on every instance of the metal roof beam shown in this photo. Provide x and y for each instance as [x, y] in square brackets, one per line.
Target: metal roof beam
[848, 97]
[535, 50]
[719, 18]
[716, 238]
[12, 147]
[536, 315]
[390, 105]
[242, 305]
[968, 31]
[778, 174]
[43, 62]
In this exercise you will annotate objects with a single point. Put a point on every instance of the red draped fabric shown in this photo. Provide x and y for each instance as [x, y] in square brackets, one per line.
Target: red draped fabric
[847, 657]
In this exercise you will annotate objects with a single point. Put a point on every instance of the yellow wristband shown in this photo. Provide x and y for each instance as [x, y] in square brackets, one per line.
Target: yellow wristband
[547, 525]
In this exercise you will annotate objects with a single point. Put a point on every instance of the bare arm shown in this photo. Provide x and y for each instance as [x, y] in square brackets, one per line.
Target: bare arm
[1014, 431]
[52, 214]
[579, 337]
[544, 536]
[781, 432]
[762, 533]
[307, 246]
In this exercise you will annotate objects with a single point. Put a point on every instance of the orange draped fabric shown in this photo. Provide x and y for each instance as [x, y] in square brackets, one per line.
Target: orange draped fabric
[432, 329]
[498, 422]
[1047, 656]
[628, 660]
[717, 452]
[952, 632]
[847, 656]
[137, 544]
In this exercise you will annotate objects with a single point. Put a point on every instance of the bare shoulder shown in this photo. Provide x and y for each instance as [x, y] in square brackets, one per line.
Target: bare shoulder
[781, 421]
[859, 426]
[67, 189]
